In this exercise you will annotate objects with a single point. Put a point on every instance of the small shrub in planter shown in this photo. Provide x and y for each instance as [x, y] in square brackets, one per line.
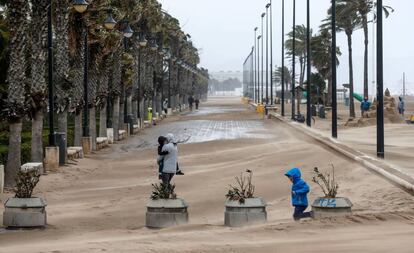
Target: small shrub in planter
[242, 207]
[23, 210]
[330, 205]
[164, 208]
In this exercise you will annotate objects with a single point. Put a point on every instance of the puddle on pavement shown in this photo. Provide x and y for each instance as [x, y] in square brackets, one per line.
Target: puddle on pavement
[212, 110]
[196, 131]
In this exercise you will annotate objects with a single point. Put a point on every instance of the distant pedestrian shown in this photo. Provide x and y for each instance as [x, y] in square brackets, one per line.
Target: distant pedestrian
[190, 102]
[197, 102]
[165, 106]
[300, 190]
[365, 105]
[401, 106]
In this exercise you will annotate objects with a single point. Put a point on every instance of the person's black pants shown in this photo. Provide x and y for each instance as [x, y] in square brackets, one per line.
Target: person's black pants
[300, 213]
[167, 177]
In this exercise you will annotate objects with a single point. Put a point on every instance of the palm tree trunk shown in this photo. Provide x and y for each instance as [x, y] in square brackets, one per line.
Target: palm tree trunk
[102, 121]
[14, 153]
[37, 137]
[63, 124]
[115, 117]
[17, 17]
[92, 126]
[365, 26]
[78, 129]
[351, 78]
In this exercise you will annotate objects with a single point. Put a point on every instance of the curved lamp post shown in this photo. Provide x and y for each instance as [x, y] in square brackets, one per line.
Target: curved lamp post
[142, 42]
[81, 6]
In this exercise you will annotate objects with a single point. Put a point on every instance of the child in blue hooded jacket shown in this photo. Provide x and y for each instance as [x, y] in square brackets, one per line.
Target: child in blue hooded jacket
[300, 190]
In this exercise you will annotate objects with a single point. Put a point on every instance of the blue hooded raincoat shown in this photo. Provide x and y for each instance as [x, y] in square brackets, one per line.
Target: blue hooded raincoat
[300, 187]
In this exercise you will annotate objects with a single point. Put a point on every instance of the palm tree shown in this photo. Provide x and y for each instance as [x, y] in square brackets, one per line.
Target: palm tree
[364, 7]
[18, 11]
[300, 49]
[277, 77]
[321, 56]
[38, 87]
[347, 20]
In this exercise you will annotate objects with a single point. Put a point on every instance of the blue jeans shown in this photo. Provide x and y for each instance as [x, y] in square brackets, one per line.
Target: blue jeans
[300, 213]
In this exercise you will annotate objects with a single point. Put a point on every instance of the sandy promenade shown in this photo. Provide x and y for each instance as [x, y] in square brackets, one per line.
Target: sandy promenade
[98, 204]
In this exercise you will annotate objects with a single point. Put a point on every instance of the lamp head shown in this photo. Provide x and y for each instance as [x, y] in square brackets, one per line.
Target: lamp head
[80, 6]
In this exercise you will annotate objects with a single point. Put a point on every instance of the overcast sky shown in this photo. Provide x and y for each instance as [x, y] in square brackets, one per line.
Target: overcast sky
[223, 31]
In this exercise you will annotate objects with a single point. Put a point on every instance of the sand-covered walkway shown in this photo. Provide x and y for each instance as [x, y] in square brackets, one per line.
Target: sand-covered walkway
[98, 205]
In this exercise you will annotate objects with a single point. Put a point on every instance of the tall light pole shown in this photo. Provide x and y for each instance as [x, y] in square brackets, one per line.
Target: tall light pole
[267, 54]
[283, 58]
[80, 7]
[258, 70]
[52, 139]
[255, 65]
[142, 42]
[271, 53]
[380, 83]
[262, 35]
[308, 66]
[293, 59]
[333, 70]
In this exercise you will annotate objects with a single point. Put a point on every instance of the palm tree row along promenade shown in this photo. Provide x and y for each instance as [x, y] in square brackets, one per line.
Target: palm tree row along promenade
[112, 61]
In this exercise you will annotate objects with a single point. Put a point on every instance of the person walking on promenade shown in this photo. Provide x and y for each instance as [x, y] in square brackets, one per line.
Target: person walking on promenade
[401, 106]
[300, 190]
[165, 106]
[197, 102]
[190, 102]
[365, 105]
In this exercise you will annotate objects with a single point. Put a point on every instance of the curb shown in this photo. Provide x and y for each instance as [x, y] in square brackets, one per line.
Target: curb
[382, 168]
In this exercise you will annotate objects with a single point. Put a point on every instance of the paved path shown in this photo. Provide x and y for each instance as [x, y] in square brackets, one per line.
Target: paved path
[98, 205]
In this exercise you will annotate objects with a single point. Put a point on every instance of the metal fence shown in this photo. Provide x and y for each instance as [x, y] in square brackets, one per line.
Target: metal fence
[248, 76]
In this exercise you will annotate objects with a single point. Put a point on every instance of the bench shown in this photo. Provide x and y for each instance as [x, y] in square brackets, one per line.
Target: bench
[101, 143]
[146, 124]
[122, 134]
[75, 153]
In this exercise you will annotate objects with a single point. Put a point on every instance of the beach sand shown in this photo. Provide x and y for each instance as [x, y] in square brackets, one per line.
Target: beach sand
[98, 204]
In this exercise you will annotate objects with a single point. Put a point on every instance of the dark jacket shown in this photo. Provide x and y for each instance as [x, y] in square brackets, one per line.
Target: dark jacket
[300, 188]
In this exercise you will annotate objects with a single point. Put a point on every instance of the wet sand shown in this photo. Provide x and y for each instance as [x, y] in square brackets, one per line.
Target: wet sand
[98, 205]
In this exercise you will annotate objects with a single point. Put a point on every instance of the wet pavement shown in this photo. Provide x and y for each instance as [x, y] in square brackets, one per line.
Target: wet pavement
[189, 130]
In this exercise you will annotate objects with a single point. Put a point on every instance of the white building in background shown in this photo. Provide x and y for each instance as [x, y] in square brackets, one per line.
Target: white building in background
[223, 76]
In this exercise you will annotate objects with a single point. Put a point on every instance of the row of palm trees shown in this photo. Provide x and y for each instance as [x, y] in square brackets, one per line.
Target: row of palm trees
[351, 15]
[125, 75]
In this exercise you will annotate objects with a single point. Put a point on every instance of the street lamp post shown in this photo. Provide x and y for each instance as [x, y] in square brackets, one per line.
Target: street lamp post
[142, 42]
[267, 55]
[308, 65]
[283, 59]
[271, 53]
[262, 35]
[52, 139]
[258, 68]
[293, 60]
[127, 33]
[255, 65]
[380, 82]
[333, 70]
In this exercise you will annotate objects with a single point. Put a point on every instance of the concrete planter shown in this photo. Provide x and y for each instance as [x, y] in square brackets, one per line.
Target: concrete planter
[251, 212]
[24, 213]
[164, 213]
[331, 207]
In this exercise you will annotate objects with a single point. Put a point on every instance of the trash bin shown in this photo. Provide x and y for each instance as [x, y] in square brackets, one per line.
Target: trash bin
[150, 114]
[321, 112]
[347, 102]
[61, 143]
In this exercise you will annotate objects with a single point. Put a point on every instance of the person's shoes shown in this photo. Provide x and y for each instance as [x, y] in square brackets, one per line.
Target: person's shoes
[180, 173]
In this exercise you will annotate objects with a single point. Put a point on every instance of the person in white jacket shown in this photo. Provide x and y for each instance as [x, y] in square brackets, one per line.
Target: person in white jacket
[170, 161]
